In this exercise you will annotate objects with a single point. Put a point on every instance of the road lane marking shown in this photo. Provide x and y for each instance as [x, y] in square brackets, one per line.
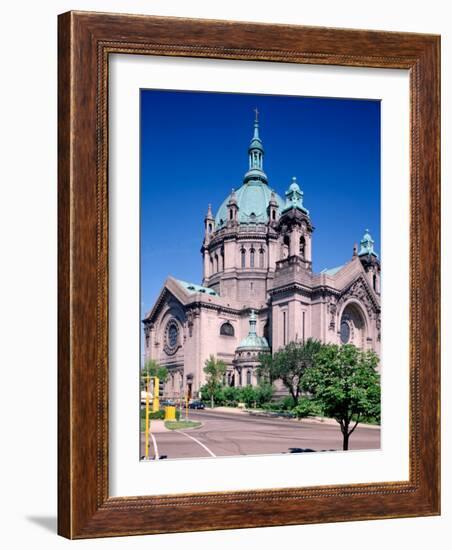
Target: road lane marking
[156, 449]
[199, 443]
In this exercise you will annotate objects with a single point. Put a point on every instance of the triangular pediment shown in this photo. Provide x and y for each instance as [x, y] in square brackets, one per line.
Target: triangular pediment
[171, 292]
[361, 290]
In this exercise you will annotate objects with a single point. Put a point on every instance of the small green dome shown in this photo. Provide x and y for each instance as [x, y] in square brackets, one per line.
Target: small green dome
[253, 341]
[252, 199]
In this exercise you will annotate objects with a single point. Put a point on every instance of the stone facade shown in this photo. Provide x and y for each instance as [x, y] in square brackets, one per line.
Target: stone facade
[259, 291]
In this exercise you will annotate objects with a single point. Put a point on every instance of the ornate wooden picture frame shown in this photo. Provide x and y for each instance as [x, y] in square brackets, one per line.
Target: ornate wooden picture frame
[86, 40]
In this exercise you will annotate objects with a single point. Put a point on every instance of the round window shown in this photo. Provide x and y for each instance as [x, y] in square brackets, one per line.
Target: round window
[172, 336]
[345, 332]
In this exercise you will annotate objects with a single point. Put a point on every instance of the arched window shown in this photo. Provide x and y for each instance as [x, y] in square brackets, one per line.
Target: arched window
[273, 215]
[216, 263]
[261, 258]
[375, 282]
[248, 377]
[302, 247]
[252, 258]
[285, 247]
[231, 214]
[210, 228]
[211, 265]
[227, 329]
[243, 253]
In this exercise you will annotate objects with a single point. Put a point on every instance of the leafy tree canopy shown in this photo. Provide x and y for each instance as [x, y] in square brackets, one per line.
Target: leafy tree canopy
[344, 380]
[289, 364]
[214, 370]
[153, 368]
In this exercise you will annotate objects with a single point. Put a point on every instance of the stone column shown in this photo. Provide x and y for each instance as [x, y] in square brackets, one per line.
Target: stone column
[294, 241]
[206, 265]
[308, 249]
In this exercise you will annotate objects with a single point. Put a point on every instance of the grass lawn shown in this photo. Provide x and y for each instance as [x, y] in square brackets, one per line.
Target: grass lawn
[179, 425]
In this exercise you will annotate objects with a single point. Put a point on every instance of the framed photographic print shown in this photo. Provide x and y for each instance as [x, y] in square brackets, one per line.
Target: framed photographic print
[248, 275]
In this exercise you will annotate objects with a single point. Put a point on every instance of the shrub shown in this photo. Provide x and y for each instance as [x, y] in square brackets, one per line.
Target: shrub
[306, 407]
[231, 395]
[286, 404]
[264, 393]
[248, 395]
[158, 415]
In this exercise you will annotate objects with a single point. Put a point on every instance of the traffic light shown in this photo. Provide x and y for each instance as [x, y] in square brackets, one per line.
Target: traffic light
[156, 386]
[161, 388]
[156, 391]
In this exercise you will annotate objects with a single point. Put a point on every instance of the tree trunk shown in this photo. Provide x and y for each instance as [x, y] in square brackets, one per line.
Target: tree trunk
[346, 438]
[211, 401]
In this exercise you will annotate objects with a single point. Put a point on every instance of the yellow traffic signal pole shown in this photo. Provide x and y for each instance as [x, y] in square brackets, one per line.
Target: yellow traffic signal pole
[156, 396]
[146, 420]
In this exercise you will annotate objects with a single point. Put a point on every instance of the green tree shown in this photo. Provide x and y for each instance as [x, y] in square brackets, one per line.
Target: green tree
[345, 382]
[214, 370]
[289, 364]
[152, 368]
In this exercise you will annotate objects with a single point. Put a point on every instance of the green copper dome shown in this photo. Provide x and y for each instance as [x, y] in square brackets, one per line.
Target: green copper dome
[252, 199]
[253, 196]
[253, 341]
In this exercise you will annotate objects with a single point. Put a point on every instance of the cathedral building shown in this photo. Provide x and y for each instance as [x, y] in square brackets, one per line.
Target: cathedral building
[258, 291]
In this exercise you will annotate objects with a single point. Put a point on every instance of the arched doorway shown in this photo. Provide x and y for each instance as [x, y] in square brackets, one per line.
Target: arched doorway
[353, 327]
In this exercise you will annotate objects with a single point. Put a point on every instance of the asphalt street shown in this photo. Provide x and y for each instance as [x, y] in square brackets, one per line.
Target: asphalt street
[229, 434]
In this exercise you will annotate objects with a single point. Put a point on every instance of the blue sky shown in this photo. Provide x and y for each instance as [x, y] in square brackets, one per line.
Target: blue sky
[194, 150]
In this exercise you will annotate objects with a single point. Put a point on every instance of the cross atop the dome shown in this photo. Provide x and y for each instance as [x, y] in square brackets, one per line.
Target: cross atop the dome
[257, 115]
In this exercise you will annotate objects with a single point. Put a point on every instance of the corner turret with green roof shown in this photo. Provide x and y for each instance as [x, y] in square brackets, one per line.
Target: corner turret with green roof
[367, 245]
[294, 197]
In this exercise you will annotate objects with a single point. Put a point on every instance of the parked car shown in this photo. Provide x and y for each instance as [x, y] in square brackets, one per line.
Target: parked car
[167, 403]
[196, 405]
